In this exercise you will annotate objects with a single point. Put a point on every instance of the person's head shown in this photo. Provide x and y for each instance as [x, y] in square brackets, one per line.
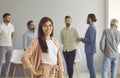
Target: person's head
[31, 25]
[68, 21]
[45, 29]
[7, 17]
[114, 23]
[91, 18]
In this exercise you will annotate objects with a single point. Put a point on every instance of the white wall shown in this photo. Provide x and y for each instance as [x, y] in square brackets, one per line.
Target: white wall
[24, 10]
[113, 11]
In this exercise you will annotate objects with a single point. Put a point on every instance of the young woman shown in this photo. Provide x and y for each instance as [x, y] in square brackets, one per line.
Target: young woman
[43, 57]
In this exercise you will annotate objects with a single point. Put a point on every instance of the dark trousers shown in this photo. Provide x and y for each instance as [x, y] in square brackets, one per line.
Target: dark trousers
[69, 59]
[90, 65]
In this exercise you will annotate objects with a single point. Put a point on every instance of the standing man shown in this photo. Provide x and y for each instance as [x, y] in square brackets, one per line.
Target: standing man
[6, 37]
[90, 44]
[29, 35]
[68, 37]
[109, 46]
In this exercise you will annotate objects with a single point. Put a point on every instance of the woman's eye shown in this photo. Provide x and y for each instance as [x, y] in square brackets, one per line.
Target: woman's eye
[50, 25]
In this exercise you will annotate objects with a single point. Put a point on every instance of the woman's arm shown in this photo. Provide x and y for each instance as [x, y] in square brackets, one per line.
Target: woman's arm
[26, 56]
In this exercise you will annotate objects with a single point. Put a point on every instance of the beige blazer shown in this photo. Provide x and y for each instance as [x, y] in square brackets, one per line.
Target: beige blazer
[33, 55]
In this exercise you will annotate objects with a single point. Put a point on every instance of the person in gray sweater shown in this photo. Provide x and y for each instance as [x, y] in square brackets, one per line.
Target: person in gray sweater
[109, 46]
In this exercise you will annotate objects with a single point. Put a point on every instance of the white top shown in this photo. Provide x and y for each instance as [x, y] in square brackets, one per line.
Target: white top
[68, 38]
[5, 34]
[51, 56]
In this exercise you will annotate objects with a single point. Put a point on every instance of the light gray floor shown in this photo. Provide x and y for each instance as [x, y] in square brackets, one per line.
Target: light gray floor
[86, 75]
[82, 75]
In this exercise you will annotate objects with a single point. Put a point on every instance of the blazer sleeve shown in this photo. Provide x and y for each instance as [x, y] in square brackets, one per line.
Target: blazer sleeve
[60, 65]
[27, 54]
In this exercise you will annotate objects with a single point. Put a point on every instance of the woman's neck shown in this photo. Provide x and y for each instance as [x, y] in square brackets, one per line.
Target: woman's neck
[47, 37]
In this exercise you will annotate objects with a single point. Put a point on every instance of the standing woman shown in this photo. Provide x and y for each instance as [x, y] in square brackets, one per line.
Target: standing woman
[43, 57]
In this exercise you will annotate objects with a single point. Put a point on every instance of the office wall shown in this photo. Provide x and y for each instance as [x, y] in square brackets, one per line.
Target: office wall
[113, 10]
[24, 10]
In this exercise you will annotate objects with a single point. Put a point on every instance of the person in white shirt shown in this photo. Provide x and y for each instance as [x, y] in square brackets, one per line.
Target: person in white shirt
[68, 37]
[6, 37]
[29, 35]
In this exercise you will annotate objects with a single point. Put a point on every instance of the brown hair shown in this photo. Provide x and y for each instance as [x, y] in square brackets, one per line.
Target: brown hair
[28, 23]
[6, 14]
[66, 17]
[41, 36]
[93, 17]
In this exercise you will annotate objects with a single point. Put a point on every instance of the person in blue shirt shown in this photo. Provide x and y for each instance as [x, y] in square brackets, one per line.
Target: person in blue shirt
[29, 35]
[90, 44]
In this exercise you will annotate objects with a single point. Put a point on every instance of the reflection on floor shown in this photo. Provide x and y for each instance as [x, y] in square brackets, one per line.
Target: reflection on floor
[82, 75]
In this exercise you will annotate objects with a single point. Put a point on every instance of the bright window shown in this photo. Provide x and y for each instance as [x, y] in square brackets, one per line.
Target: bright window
[113, 11]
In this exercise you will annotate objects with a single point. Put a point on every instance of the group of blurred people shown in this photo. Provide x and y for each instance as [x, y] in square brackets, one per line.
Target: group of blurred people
[42, 55]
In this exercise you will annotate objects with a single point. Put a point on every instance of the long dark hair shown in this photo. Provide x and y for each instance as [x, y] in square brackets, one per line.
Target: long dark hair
[41, 35]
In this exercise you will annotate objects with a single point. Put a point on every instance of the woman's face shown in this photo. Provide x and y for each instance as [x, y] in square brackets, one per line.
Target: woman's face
[47, 28]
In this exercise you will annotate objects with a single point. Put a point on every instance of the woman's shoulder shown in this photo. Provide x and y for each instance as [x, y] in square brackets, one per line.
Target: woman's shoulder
[54, 39]
[35, 40]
